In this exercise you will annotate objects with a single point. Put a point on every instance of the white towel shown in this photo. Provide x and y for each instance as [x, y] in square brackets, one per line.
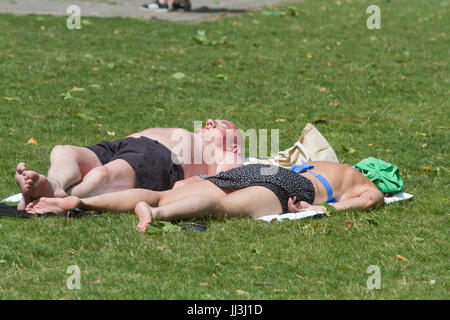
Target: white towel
[291, 216]
[306, 214]
[13, 198]
[397, 197]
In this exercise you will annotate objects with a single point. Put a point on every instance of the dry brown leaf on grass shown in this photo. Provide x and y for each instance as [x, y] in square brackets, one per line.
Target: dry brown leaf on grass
[349, 225]
[241, 292]
[32, 141]
[203, 284]
[399, 257]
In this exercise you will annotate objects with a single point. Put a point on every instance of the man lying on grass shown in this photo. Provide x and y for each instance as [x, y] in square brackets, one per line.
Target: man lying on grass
[152, 159]
[253, 190]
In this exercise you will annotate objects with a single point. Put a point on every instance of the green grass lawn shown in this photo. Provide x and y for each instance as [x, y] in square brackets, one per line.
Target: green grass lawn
[382, 93]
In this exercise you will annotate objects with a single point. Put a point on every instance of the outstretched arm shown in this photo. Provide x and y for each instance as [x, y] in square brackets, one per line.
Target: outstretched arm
[368, 199]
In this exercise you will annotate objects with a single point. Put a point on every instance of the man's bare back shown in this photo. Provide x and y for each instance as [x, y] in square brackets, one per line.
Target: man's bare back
[172, 138]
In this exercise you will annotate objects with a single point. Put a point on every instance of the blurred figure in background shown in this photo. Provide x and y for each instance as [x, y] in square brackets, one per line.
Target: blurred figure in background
[166, 5]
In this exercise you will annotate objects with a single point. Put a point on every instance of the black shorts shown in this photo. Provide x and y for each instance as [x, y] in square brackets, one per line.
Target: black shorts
[283, 182]
[151, 161]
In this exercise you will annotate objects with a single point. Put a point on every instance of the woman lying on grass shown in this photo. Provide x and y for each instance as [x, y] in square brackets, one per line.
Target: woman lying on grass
[253, 190]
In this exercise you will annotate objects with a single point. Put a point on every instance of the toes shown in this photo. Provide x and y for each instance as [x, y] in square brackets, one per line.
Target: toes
[141, 228]
[31, 205]
[20, 168]
[29, 184]
[31, 175]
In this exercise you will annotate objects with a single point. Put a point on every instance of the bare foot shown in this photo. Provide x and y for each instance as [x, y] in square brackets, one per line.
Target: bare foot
[20, 180]
[39, 186]
[59, 206]
[145, 214]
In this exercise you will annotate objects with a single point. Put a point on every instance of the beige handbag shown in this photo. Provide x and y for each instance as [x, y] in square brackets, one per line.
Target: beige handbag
[311, 146]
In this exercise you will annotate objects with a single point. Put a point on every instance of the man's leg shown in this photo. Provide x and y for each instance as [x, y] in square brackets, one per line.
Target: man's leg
[68, 165]
[78, 171]
[114, 176]
[26, 198]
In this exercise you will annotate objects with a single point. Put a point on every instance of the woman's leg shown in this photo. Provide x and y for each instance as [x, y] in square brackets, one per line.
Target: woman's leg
[126, 200]
[252, 201]
[123, 201]
[120, 201]
[190, 207]
[203, 187]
